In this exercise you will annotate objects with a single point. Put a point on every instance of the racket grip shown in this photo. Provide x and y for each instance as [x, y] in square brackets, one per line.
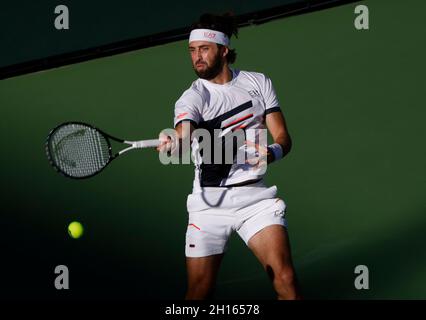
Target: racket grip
[147, 143]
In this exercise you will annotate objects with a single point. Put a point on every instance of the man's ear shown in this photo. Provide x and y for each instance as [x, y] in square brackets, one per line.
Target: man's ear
[225, 51]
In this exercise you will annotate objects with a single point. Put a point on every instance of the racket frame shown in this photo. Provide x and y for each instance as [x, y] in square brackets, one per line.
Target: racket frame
[133, 145]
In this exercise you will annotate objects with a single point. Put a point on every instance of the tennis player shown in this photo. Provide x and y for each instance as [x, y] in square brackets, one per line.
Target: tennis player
[231, 197]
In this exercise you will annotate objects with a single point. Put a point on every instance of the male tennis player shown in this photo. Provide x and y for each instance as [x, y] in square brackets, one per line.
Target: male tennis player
[231, 197]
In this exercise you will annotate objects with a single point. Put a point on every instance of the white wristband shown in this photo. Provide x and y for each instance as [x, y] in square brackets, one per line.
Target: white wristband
[276, 150]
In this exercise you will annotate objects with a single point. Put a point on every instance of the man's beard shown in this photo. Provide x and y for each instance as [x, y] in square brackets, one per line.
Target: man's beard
[211, 72]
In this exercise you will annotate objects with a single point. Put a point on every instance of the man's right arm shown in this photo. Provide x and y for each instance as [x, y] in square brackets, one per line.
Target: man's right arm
[186, 117]
[170, 142]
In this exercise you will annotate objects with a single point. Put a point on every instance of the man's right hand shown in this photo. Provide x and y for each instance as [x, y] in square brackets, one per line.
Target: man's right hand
[166, 143]
[170, 139]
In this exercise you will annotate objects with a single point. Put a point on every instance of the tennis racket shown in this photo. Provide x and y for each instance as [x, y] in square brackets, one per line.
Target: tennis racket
[79, 150]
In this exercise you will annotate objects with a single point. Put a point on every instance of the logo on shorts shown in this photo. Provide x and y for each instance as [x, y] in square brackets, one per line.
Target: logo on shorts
[193, 225]
[279, 213]
[192, 245]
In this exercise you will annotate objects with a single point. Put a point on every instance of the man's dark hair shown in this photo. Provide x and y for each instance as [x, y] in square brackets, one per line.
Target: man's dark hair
[225, 23]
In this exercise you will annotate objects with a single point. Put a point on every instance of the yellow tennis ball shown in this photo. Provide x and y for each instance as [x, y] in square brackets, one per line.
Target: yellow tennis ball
[75, 229]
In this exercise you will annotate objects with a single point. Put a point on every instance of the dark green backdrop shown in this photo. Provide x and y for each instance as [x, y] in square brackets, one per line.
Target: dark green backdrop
[27, 29]
[354, 182]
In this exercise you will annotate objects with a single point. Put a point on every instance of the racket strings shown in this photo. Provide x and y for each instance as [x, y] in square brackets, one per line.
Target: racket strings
[79, 150]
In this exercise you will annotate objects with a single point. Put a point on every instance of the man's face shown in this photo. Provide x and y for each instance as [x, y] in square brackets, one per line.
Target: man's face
[207, 59]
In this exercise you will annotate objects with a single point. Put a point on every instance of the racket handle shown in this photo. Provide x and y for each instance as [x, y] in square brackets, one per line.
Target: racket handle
[146, 143]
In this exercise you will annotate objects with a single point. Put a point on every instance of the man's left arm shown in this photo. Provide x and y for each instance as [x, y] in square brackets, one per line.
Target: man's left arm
[276, 124]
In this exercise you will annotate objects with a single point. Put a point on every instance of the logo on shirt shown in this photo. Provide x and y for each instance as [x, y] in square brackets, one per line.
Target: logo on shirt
[254, 93]
[182, 115]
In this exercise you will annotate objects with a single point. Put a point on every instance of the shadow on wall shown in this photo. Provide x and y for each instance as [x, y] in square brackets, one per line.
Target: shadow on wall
[395, 261]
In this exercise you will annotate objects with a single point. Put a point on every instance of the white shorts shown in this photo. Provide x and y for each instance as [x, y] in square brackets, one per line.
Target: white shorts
[215, 213]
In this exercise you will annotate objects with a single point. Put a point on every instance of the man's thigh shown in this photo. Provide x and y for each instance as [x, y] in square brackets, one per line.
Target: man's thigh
[271, 246]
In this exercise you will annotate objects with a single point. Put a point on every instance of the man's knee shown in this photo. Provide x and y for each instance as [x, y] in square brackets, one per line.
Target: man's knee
[200, 288]
[286, 277]
[285, 284]
[199, 292]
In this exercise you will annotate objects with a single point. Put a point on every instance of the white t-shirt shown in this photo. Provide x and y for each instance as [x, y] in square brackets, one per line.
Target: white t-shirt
[241, 103]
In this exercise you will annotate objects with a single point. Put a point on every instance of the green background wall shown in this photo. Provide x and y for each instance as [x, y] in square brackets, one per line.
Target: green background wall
[354, 182]
[27, 29]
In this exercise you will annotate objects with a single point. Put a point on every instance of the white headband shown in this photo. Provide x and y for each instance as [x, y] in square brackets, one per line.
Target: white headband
[210, 36]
